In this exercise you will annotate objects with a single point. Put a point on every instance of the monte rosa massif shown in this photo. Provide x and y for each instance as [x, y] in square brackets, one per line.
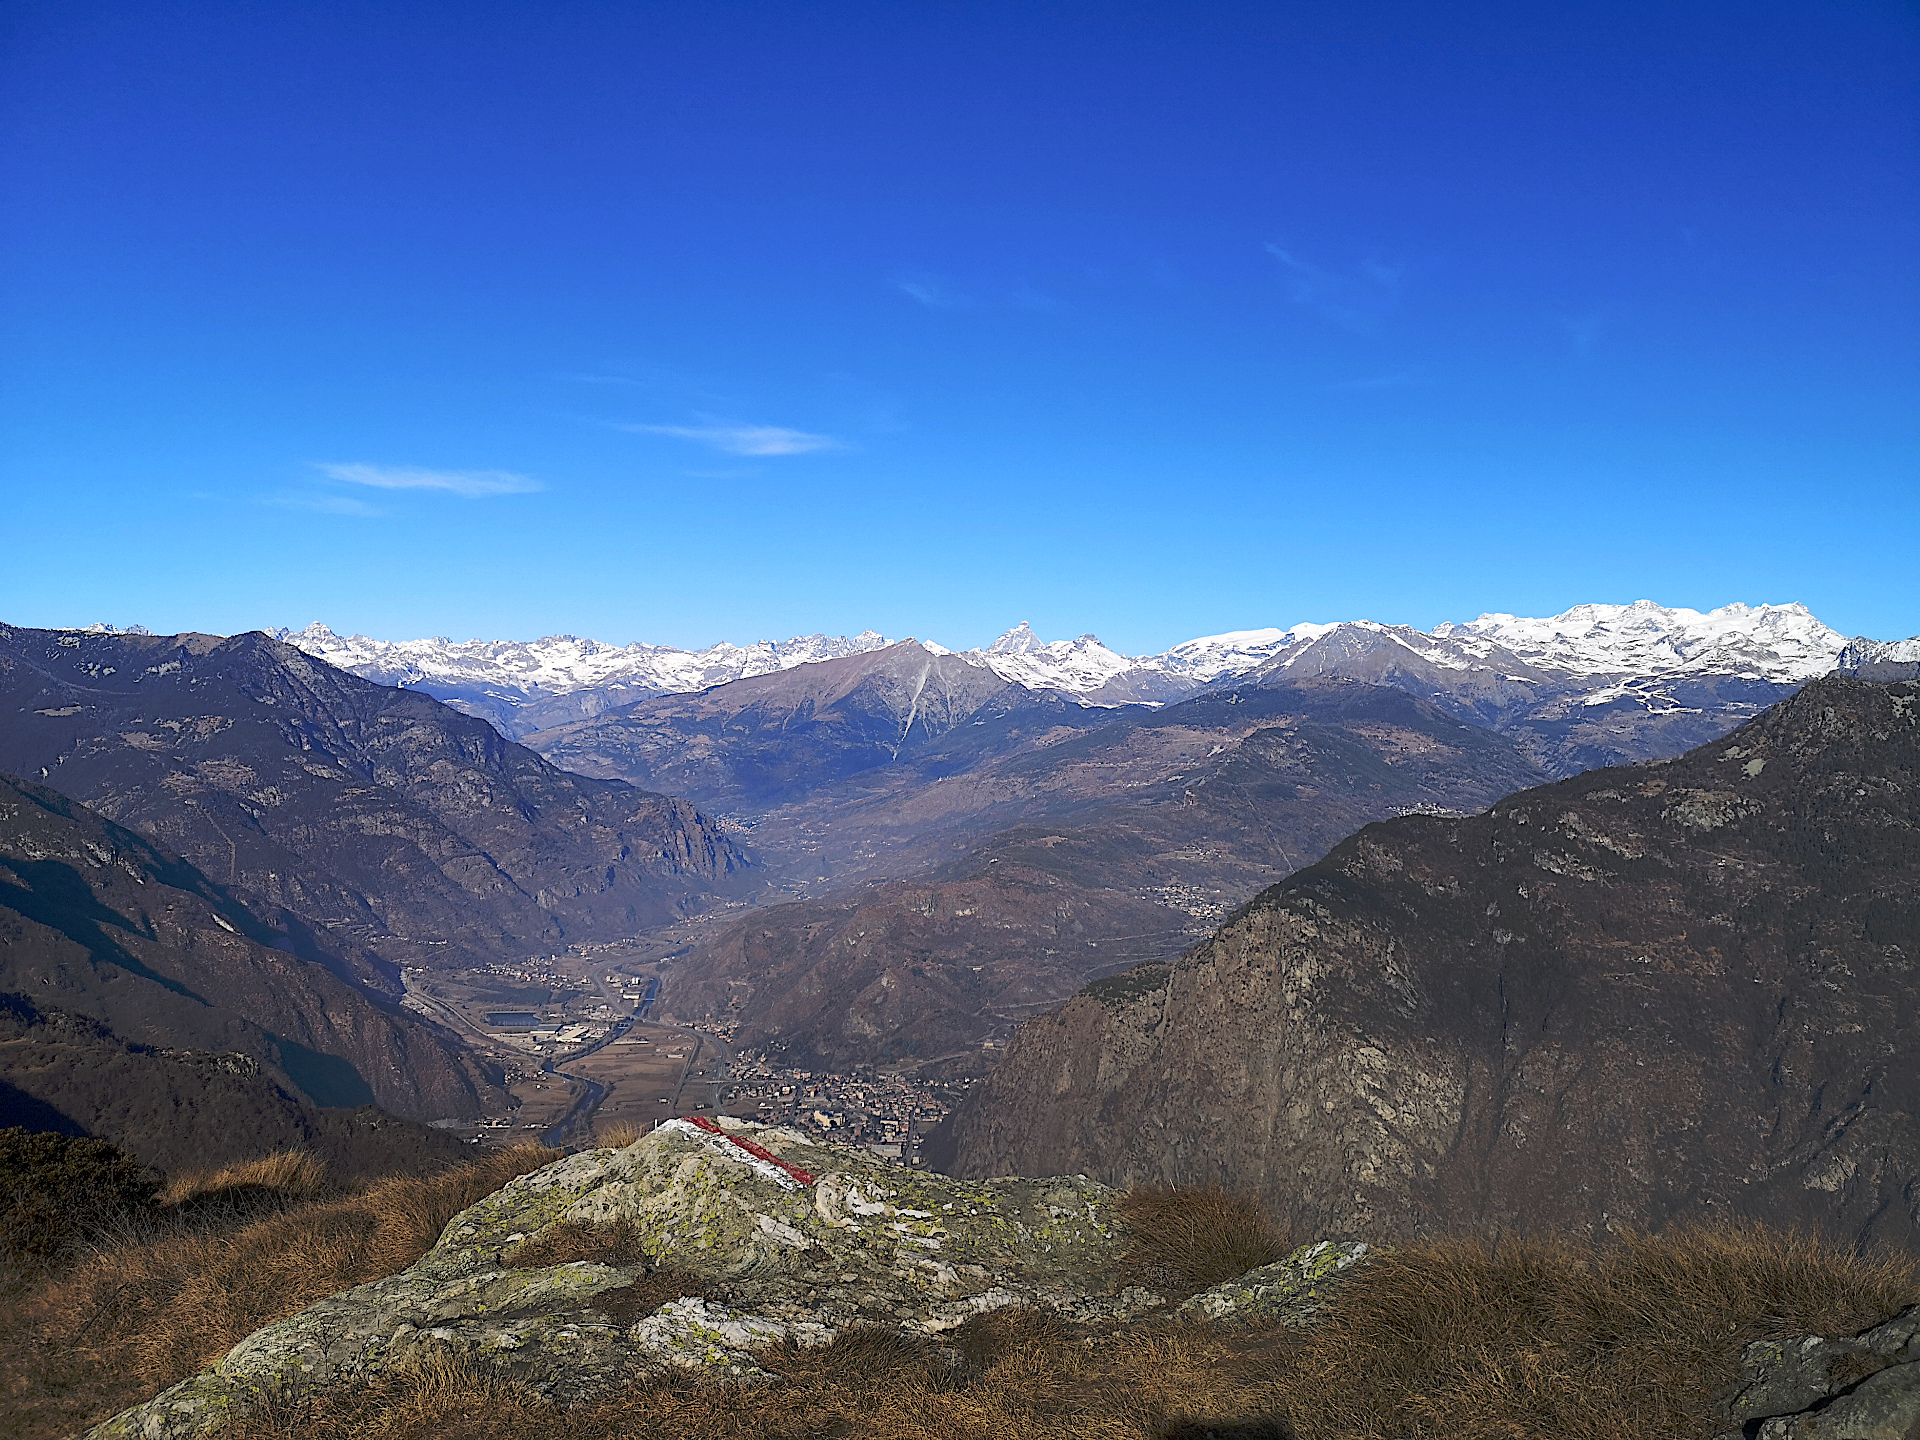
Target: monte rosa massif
[1592, 654]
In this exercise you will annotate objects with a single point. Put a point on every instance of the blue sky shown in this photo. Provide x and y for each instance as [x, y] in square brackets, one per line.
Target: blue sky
[689, 322]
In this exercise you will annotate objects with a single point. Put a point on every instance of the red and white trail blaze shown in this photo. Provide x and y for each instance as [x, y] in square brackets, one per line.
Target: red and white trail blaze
[763, 1162]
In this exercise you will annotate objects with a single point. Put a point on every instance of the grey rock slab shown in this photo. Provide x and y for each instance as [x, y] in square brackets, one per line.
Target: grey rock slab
[1291, 1291]
[865, 1243]
[1861, 1387]
[1884, 1406]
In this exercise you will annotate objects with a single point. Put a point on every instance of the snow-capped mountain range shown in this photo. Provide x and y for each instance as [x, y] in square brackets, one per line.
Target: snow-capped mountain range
[1598, 652]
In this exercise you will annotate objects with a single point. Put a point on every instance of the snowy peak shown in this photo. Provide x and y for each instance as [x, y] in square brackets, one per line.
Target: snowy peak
[1780, 643]
[1589, 650]
[1020, 640]
[527, 685]
[1213, 657]
[1082, 667]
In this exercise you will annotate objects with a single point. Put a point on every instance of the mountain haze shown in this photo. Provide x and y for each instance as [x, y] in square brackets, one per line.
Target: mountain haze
[1119, 843]
[766, 739]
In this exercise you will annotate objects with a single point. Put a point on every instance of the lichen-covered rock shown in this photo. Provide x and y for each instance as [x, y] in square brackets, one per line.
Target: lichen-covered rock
[1861, 1387]
[865, 1243]
[1884, 1406]
[1290, 1291]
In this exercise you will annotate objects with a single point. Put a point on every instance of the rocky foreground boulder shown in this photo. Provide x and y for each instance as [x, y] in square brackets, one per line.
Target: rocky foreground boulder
[778, 1238]
[1861, 1387]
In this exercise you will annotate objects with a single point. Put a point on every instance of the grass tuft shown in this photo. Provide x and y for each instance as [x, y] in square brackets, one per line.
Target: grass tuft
[614, 1242]
[286, 1174]
[1539, 1337]
[619, 1134]
[131, 1320]
[1181, 1242]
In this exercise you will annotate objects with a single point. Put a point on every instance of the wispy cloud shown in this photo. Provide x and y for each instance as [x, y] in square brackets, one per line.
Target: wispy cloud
[326, 504]
[929, 290]
[744, 439]
[1354, 299]
[467, 484]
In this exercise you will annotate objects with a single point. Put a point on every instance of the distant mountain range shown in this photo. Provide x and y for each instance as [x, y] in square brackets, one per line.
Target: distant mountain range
[1597, 655]
[1044, 847]
[1018, 818]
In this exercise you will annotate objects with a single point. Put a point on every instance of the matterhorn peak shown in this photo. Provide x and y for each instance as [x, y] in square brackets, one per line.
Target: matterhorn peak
[1020, 640]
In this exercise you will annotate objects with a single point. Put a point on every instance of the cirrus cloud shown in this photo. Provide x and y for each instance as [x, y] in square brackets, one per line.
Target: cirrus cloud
[467, 484]
[744, 439]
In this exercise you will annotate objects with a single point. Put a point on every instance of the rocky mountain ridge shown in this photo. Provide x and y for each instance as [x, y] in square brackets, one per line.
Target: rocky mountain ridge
[1684, 989]
[1071, 852]
[390, 825]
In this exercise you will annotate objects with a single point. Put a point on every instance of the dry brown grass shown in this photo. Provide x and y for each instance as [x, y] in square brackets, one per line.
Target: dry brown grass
[132, 1320]
[1536, 1337]
[1530, 1340]
[619, 1134]
[287, 1173]
[614, 1242]
[1527, 1340]
[1180, 1242]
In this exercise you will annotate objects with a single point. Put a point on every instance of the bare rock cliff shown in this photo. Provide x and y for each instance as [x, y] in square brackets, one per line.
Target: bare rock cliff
[1680, 990]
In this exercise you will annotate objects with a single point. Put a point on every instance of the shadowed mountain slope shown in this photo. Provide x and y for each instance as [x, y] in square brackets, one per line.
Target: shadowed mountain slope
[1138, 836]
[1682, 990]
[185, 1109]
[328, 802]
[100, 922]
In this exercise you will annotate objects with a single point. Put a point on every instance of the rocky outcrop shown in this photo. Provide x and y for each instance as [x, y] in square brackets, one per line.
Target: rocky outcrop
[1292, 1291]
[773, 1238]
[1679, 990]
[1864, 1387]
